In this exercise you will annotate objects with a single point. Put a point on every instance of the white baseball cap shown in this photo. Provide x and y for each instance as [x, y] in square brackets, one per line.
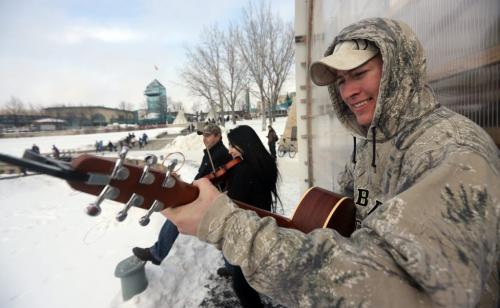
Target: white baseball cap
[346, 56]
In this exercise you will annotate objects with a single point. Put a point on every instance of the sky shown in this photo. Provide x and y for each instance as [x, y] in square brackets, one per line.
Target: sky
[52, 255]
[103, 52]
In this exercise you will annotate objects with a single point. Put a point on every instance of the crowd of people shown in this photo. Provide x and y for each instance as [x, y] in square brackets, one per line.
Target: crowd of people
[130, 141]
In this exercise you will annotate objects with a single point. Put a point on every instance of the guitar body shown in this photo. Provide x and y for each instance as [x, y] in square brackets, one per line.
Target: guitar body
[318, 208]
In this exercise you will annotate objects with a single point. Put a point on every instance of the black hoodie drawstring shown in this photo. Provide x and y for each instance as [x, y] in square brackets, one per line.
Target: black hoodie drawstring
[354, 151]
[374, 142]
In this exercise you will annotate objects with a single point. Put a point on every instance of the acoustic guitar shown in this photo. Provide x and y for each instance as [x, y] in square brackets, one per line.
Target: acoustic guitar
[154, 190]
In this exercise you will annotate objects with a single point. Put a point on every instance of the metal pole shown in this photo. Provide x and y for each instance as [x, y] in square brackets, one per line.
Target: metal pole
[310, 172]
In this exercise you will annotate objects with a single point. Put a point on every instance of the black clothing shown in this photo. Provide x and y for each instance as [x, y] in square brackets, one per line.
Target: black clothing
[243, 184]
[55, 152]
[220, 156]
[272, 138]
[272, 149]
[249, 298]
[144, 254]
[169, 232]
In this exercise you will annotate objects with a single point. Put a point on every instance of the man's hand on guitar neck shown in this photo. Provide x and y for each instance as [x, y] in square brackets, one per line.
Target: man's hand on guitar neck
[187, 217]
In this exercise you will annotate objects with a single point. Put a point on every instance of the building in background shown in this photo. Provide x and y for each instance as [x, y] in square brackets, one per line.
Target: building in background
[462, 43]
[84, 116]
[49, 124]
[156, 100]
[282, 107]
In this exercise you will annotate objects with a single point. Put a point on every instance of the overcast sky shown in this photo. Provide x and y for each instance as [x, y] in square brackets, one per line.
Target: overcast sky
[102, 52]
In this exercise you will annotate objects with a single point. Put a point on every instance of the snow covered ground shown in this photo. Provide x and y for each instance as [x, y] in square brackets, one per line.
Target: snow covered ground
[54, 255]
[16, 146]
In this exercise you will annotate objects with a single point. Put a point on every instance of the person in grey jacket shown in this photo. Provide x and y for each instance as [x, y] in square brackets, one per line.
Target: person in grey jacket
[425, 181]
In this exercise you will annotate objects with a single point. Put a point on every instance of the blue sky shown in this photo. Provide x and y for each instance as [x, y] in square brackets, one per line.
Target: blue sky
[104, 52]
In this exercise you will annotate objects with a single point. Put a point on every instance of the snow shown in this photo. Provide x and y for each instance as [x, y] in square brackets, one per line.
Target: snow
[54, 255]
[16, 146]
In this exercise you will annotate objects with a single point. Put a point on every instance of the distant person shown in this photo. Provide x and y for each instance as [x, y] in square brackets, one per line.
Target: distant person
[145, 138]
[55, 152]
[35, 149]
[111, 146]
[128, 140]
[272, 138]
[215, 155]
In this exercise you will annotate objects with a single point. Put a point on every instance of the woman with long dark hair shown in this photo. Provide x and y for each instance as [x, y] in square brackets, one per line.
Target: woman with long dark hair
[252, 181]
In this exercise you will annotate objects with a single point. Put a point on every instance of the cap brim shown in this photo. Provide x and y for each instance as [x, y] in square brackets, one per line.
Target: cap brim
[321, 74]
[321, 71]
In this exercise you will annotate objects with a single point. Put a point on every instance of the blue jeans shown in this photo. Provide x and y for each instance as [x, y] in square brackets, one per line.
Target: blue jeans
[166, 239]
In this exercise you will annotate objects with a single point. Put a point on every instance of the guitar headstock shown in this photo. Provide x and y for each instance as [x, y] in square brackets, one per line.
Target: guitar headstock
[138, 186]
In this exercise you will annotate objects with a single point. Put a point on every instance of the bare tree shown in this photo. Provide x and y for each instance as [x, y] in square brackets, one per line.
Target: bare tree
[15, 106]
[211, 54]
[125, 106]
[174, 106]
[33, 109]
[267, 46]
[197, 78]
[235, 71]
[16, 109]
[215, 71]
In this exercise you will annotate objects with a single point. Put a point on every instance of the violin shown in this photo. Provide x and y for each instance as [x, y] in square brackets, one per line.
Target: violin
[154, 190]
[220, 172]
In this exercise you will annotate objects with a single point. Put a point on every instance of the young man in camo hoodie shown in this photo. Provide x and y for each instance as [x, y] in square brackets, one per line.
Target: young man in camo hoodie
[425, 181]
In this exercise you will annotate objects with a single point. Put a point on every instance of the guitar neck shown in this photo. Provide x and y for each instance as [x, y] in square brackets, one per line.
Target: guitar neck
[318, 207]
[282, 221]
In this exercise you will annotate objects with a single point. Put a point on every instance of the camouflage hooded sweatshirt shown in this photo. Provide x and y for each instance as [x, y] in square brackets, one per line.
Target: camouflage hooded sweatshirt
[426, 185]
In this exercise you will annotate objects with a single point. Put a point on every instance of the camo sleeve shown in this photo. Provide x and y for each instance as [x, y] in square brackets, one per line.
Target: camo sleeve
[441, 251]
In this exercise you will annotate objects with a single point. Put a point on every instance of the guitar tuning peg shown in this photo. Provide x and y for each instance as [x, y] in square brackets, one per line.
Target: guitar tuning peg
[147, 177]
[93, 209]
[135, 200]
[169, 181]
[119, 172]
[108, 192]
[151, 159]
[155, 207]
[123, 152]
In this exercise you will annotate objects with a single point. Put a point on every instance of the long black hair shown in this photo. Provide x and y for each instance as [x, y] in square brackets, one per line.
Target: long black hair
[253, 151]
